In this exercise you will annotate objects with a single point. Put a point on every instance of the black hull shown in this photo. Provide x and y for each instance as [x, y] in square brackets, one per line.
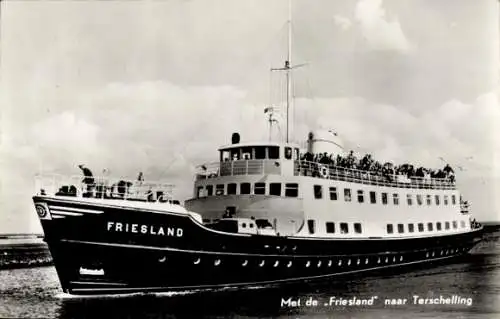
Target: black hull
[91, 259]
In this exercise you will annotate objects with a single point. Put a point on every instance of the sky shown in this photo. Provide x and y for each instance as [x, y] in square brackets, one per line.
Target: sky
[158, 86]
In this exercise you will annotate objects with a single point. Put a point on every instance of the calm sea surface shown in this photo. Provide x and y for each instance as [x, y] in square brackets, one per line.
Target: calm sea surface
[35, 293]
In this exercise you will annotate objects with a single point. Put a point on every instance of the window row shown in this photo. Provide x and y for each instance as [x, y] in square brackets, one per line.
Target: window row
[410, 228]
[332, 229]
[275, 189]
[384, 197]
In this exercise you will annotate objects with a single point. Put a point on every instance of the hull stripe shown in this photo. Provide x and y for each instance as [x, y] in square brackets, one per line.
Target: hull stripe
[64, 213]
[78, 210]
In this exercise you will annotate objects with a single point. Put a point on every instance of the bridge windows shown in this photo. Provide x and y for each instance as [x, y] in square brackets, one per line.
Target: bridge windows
[288, 153]
[344, 228]
[347, 194]
[275, 189]
[361, 197]
[291, 190]
[373, 197]
[429, 199]
[333, 193]
[311, 225]
[390, 229]
[445, 200]
[330, 227]
[419, 199]
[274, 152]
[420, 227]
[260, 152]
[384, 198]
[395, 199]
[436, 197]
[318, 191]
[199, 192]
[259, 189]
[438, 226]
[453, 200]
[409, 200]
[219, 189]
[430, 226]
[401, 228]
[357, 228]
[454, 223]
[446, 225]
[245, 188]
[411, 228]
[231, 189]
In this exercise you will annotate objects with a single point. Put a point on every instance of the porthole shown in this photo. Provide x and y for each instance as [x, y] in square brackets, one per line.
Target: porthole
[378, 261]
[266, 246]
[348, 262]
[162, 259]
[329, 263]
[276, 263]
[308, 264]
[441, 253]
[447, 251]
[289, 264]
[394, 259]
[358, 261]
[319, 263]
[217, 262]
[427, 255]
[386, 260]
[245, 263]
[433, 254]
[197, 261]
[244, 225]
[340, 262]
[401, 258]
[366, 261]
[262, 263]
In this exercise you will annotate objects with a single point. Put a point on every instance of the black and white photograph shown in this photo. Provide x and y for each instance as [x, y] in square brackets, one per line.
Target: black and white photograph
[250, 159]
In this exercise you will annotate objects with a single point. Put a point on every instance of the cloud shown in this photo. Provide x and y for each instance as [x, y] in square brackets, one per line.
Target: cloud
[343, 22]
[380, 32]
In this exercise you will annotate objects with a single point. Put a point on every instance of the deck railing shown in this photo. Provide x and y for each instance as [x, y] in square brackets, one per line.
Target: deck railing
[314, 169]
[102, 187]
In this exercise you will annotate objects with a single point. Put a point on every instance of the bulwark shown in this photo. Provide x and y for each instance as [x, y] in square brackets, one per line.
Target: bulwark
[144, 229]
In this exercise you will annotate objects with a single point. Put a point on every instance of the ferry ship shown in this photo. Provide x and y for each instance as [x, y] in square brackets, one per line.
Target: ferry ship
[265, 212]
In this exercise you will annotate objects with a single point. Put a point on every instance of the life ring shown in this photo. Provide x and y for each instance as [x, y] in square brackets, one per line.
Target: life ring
[323, 171]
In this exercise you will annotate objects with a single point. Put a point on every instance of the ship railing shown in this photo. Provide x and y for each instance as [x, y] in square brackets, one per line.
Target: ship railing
[240, 167]
[314, 169]
[104, 187]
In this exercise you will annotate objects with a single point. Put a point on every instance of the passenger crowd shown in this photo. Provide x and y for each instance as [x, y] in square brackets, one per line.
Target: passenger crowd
[376, 168]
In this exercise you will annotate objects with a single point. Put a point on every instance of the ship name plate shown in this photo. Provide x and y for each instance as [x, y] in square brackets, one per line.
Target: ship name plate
[145, 229]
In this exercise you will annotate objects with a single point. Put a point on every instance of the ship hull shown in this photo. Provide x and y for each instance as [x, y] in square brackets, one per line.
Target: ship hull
[107, 249]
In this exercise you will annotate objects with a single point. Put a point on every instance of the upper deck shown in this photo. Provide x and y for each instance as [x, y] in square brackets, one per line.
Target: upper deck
[273, 159]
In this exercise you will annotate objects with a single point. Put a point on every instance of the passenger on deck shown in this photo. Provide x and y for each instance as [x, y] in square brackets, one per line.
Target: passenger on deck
[88, 179]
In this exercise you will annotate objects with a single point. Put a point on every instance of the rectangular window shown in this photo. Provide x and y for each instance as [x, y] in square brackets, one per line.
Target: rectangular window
[210, 190]
[409, 199]
[288, 153]
[360, 196]
[454, 223]
[199, 191]
[275, 189]
[438, 226]
[446, 225]
[347, 194]
[291, 190]
[390, 229]
[333, 193]
[219, 189]
[395, 198]
[436, 197]
[429, 199]
[430, 227]
[231, 189]
[373, 197]
[245, 188]
[318, 191]
[259, 189]
[311, 224]
[344, 228]
[453, 200]
[401, 228]
[274, 152]
[419, 199]
[411, 228]
[384, 198]
[357, 228]
[260, 152]
[462, 224]
[330, 227]
[445, 200]
[420, 227]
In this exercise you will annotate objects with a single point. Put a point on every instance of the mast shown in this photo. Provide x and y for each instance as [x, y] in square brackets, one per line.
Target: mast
[287, 70]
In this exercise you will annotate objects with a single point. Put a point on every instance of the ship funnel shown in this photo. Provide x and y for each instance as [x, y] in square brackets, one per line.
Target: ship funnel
[235, 138]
